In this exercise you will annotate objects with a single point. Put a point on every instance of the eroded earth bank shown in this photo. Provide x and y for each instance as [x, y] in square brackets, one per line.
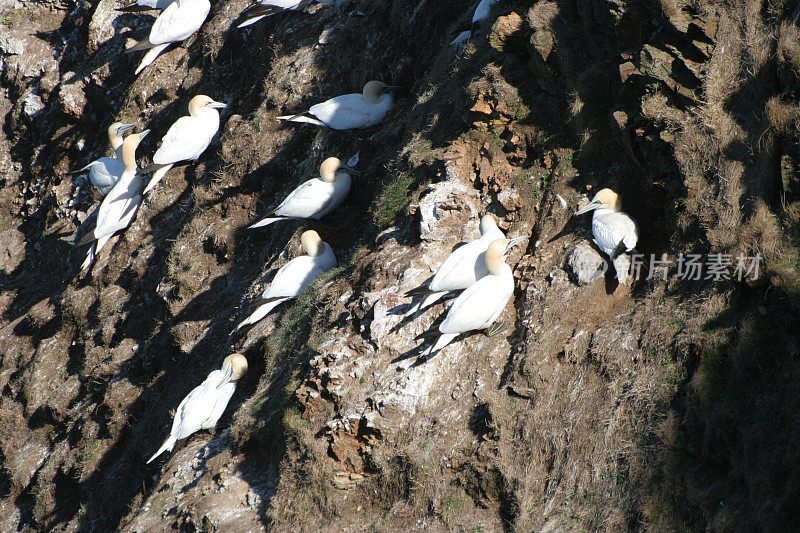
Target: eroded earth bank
[665, 404]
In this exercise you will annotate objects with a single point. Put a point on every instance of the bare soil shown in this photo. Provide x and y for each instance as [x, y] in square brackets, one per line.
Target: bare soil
[659, 405]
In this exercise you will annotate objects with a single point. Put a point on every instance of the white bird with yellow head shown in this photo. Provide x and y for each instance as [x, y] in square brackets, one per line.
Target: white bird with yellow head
[120, 205]
[179, 21]
[316, 197]
[614, 231]
[202, 407]
[187, 138]
[105, 172]
[479, 306]
[294, 276]
[350, 111]
[462, 268]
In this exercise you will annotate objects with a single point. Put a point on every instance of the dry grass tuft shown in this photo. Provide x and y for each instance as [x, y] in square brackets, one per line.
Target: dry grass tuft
[657, 107]
[789, 45]
[542, 14]
[764, 234]
[782, 116]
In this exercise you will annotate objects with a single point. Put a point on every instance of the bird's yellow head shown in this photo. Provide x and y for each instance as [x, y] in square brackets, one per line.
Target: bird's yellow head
[373, 90]
[488, 223]
[312, 243]
[604, 199]
[329, 168]
[233, 367]
[201, 102]
[496, 253]
[129, 146]
[115, 132]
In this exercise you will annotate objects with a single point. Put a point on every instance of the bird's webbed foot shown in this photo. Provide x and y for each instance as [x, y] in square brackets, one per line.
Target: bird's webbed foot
[496, 328]
[189, 41]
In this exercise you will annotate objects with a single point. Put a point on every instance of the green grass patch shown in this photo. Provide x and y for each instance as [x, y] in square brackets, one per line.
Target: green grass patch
[715, 367]
[392, 199]
[452, 507]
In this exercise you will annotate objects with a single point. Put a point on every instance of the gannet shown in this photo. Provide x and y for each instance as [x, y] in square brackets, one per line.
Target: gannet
[481, 303]
[294, 276]
[264, 8]
[145, 5]
[104, 172]
[202, 407]
[120, 204]
[187, 138]
[316, 197]
[462, 268]
[350, 111]
[177, 22]
[481, 13]
[614, 231]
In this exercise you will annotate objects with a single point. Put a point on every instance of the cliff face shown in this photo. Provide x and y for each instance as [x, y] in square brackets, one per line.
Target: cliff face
[668, 403]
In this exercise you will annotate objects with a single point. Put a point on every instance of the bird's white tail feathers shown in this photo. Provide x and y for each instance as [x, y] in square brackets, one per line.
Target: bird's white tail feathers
[443, 340]
[90, 255]
[302, 118]
[157, 175]
[151, 56]
[622, 264]
[265, 222]
[426, 302]
[87, 167]
[250, 21]
[94, 250]
[261, 312]
[166, 447]
[461, 38]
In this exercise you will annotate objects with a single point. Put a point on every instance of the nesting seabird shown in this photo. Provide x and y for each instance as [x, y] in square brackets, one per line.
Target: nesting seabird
[462, 268]
[187, 138]
[119, 206]
[481, 13]
[316, 197]
[614, 231]
[481, 303]
[264, 8]
[294, 276]
[350, 111]
[202, 407]
[104, 172]
[176, 23]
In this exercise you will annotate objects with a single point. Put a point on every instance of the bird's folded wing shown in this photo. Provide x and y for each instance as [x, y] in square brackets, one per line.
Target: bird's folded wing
[472, 309]
[182, 141]
[306, 200]
[337, 107]
[258, 9]
[293, 277]
[176, 24]
[194, 410]
[610, 234]
[141, 45]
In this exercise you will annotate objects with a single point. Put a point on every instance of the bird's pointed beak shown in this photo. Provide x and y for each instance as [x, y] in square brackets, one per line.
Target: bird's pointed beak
[514, 242]
[143, 134]
[392, 88]
[589, 207]
[217, 105]
[351, 170]
[125, 127]
[226, 378]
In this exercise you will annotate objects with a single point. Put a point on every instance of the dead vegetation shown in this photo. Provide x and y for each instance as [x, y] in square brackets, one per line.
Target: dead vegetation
[667, 407]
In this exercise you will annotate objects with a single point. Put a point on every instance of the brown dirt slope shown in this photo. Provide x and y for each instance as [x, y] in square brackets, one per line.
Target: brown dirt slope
[662, 405]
